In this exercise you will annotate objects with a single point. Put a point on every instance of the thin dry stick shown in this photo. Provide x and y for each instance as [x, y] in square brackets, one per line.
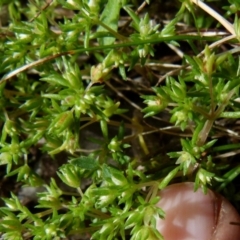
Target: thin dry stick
[221, 20]
[216, 15]
[141, 7]
[122, 96]
[48, 3]
[213, 45]
[33, 64]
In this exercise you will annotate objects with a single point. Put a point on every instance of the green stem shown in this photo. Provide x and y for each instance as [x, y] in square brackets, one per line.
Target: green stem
[155, 40]
[230, 115]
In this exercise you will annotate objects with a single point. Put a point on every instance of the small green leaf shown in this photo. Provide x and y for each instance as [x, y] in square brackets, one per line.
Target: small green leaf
[104, 128]
[134, 218]
[88, 163]
[114, 176]
[134, 16]
[56, 79]
[61, 122]
[110, 17]
[70, 175]
[5, 158]
[168, 178]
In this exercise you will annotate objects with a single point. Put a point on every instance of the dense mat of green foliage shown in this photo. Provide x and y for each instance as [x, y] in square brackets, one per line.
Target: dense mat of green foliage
[106, 102]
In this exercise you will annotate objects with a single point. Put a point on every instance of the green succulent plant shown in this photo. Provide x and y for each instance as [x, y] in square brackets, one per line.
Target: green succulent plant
[97, 116]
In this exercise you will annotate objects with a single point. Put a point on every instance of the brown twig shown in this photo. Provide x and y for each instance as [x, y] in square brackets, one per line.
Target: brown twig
[48, 3]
